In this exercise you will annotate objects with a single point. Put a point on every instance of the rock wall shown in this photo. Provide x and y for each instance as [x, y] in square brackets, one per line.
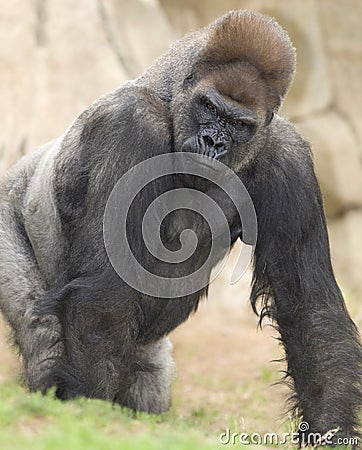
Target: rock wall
[57, 56]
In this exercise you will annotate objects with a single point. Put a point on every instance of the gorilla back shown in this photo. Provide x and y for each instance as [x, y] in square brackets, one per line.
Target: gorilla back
[84, 330]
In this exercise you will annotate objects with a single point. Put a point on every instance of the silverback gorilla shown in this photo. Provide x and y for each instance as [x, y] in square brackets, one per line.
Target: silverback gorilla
[80, 327]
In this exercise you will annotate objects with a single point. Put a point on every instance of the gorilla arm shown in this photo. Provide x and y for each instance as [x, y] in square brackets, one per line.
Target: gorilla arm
[52, 251]
[99, 314]
[25, 270]
[294, 279]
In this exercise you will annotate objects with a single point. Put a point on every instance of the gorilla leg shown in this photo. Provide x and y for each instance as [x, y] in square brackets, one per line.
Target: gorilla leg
[102, 357]
[153, 370]
[21, 291]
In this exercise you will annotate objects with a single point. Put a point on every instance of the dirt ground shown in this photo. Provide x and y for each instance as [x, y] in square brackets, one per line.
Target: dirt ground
[225, 375]
[223, 360]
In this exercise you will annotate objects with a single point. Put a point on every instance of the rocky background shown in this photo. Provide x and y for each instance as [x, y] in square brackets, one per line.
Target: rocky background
[56, 56]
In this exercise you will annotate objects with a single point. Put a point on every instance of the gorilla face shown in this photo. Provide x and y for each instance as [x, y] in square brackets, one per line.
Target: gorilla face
[223, 113]
[220, 125]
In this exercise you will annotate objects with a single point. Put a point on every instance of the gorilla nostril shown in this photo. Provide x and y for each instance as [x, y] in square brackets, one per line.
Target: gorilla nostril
[219, 145]
[208, 141]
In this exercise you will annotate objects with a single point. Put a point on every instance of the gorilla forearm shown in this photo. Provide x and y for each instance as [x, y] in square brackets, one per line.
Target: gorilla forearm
[22, 280]
[294, 278]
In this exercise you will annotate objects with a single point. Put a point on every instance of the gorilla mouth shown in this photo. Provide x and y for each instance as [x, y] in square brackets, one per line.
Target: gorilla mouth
[215, 154]
[212, 154]
[202, 147]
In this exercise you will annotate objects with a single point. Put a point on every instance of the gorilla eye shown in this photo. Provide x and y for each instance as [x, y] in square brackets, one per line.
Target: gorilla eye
[210, 107]
[189, 79]
[238, 123]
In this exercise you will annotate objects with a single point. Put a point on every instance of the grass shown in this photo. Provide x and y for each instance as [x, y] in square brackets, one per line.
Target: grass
[215, 400]
[36, 422]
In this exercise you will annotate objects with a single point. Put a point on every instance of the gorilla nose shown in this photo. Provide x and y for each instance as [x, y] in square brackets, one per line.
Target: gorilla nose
[212, 142]
[208, 140]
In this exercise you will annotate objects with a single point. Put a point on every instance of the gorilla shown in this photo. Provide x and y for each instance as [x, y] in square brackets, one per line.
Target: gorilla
[85, 331]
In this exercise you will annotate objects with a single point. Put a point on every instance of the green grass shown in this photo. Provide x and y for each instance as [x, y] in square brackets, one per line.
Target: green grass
[36, 422]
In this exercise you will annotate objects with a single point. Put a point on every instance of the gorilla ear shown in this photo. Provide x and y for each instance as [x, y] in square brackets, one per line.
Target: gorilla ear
[245, 36]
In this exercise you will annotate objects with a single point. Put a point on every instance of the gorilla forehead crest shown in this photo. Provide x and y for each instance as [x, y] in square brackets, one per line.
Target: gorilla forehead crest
[245, 36]
[243, 84]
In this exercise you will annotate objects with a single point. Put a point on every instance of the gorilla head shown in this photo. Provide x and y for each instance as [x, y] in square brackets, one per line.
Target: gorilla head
[232, 90]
